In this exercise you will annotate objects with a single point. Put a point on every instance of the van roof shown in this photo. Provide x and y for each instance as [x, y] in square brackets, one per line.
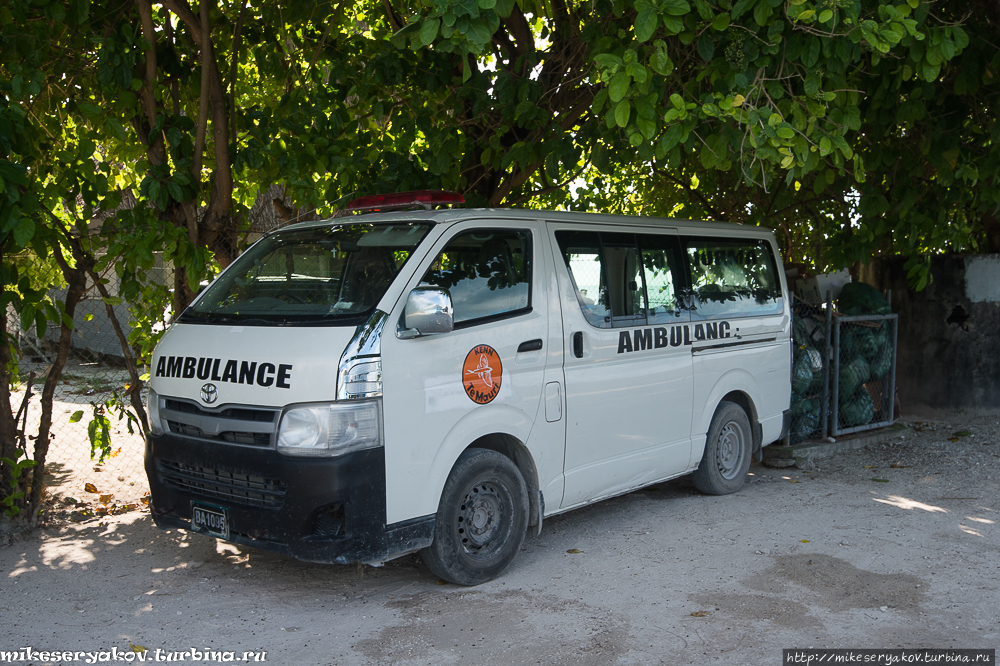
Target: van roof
[452, 215]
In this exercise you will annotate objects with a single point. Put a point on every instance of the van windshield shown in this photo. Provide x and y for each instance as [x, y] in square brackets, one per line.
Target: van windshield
[319, 276]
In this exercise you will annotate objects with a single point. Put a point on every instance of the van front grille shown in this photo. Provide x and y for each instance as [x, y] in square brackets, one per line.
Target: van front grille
[243, 426]
[219, 484]
[260, 439]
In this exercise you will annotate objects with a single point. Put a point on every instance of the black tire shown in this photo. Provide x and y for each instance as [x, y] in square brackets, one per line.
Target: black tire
[481, 520]
[728, 449]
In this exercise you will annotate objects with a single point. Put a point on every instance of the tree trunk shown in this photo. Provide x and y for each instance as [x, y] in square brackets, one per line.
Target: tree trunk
[77, 279]
[8, 428]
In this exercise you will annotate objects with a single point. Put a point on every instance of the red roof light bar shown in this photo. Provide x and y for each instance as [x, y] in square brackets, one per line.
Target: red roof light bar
[426, 199]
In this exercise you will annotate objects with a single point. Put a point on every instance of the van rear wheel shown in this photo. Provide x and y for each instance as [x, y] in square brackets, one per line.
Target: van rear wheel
[481, 520]
[728, 449]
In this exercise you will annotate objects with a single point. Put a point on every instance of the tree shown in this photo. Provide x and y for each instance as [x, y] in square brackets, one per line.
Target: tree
[130, 127]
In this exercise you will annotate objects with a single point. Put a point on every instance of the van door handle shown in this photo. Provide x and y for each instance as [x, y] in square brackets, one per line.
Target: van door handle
[578, 344]
[530, 345]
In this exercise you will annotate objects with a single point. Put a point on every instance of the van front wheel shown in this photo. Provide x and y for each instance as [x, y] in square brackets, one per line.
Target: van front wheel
[481, 521]
[728, 449]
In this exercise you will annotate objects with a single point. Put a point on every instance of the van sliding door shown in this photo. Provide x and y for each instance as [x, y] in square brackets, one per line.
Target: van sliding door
[627, 367]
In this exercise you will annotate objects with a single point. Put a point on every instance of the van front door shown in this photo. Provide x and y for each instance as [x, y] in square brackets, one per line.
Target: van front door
[443, 392]
[627, 360]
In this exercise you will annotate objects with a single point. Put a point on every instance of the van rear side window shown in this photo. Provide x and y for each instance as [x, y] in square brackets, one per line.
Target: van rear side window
[732, 277]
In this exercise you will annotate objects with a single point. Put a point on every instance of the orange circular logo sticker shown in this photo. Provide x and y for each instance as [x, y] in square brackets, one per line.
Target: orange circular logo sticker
[482, 373]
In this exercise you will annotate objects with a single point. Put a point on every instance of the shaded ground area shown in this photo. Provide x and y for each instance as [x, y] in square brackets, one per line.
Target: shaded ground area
[120, 479]
[894, 545]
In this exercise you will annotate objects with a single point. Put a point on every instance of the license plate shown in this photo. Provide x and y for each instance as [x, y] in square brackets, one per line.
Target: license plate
[211, 519]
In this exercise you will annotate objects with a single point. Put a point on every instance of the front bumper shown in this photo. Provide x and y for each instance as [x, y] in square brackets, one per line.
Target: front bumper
[329, 510]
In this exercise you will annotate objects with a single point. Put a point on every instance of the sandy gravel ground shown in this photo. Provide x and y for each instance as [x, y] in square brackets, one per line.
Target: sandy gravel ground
[893, 545]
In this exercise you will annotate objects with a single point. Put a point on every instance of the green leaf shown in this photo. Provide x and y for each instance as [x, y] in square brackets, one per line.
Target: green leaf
[706, 47]
[721, 22]
[618, 86]
[479, 33]
[27, 316]
[812, 83]
[677, 101]
[825, 15]
[608, 60]
[622, 113]
[645, 24]
[487, 4]
[429, 31]
[675, 7]
[961, 38]
[115, 129]
[91, 111]
[671, 137]
[600, 99]
[761, 13]
[504, 8]
[12, 173]
[810, 55]
[785, 132]
[741, 7]
[672, 25]
[637, 72]
[76, 416]
[661, 63]
[175, 191]
[647, 127]
[24, 231]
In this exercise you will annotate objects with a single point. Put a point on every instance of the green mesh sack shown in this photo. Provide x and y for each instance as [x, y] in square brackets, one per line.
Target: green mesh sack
[800, 333]
[882, 334]
[857, 410]
[802, 375]
[858, 298]
[857, 341]
[816, 363]
[882, 362]
[805, 418]
[852, 376]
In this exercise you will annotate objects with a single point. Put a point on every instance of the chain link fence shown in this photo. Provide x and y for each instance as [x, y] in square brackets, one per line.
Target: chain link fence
[843, 371]
[82, 479]
[863, 372]
[810, 370]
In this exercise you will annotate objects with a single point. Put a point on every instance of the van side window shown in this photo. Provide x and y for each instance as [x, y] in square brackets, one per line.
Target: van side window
[487, 272]
[621, 279]
[659, 263]
[732, 277]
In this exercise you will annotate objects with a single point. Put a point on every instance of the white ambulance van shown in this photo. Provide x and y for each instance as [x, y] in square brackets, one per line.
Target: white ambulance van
[360, 388]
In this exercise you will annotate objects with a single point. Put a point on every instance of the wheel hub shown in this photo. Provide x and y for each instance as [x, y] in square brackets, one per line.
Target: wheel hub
[730, 450]
[479, 521]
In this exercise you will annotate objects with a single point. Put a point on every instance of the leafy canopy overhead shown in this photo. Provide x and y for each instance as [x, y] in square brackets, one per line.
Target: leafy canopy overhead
[764, 111]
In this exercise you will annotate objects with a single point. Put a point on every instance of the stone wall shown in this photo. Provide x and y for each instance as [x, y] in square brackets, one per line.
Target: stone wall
[949, 333]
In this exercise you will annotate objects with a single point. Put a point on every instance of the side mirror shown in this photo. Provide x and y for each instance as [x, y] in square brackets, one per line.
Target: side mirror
[428, 311]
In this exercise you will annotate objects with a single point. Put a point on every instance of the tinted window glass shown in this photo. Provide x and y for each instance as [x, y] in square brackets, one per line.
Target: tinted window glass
[622, 279]
[487, 273]
[658, 263]
[733, 277]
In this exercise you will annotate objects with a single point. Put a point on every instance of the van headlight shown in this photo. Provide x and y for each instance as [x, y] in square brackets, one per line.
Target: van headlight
[330, 429]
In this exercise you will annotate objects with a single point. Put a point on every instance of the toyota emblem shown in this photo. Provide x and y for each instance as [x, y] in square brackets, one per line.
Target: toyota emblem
[209, 393]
